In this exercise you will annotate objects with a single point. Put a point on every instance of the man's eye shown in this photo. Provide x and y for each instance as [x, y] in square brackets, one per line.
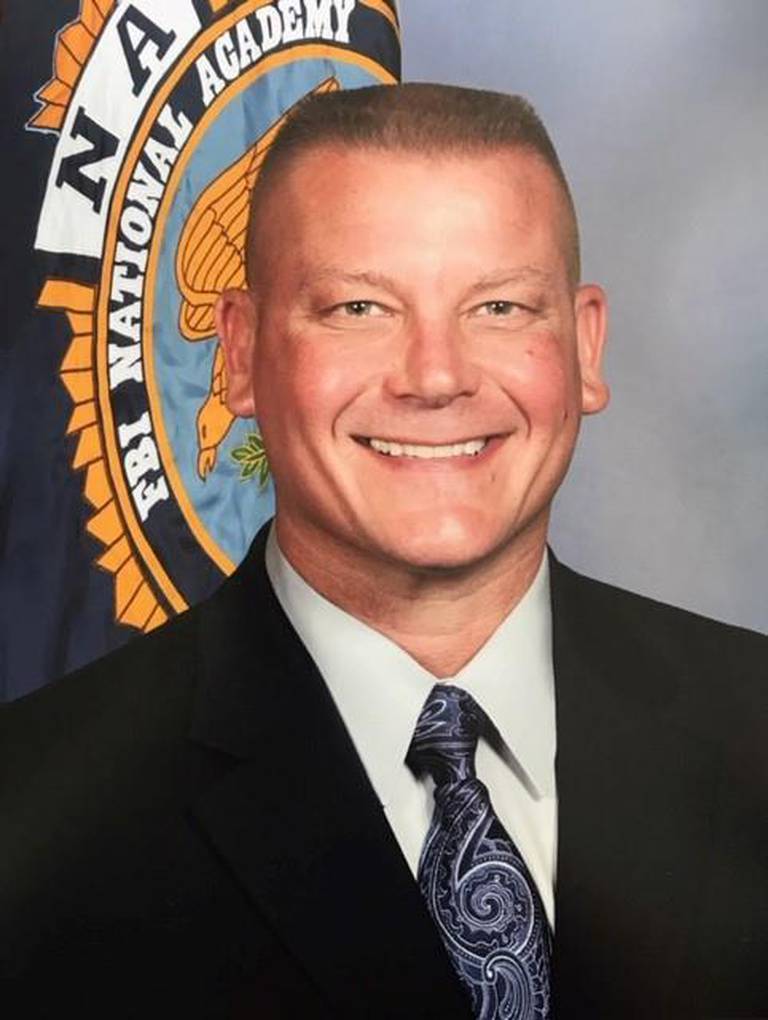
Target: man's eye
[498, 308]
[359, 309]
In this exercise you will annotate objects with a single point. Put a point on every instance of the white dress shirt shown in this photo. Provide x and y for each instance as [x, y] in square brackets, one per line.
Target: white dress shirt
[379, 691]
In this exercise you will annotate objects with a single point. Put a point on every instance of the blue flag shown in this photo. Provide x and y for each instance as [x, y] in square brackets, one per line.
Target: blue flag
[136, 134]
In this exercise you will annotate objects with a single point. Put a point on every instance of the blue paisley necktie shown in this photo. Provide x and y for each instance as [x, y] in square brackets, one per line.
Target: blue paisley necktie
[477, 887]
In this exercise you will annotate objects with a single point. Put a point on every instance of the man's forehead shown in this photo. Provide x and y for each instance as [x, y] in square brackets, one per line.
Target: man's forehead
[311, 274]
[323, 181]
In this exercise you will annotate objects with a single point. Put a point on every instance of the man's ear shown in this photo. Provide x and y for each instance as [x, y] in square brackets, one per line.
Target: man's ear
[236, 327]
[591, 311]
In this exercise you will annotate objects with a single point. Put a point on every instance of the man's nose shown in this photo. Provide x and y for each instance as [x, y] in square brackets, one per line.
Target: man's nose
[433, 364]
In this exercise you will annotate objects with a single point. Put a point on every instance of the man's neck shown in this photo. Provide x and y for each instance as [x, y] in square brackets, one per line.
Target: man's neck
[441, 619]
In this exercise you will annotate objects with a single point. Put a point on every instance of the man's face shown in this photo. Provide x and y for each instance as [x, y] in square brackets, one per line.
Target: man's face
[418, 360]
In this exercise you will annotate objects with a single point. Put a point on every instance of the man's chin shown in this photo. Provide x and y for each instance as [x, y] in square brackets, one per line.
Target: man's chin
[428, 553]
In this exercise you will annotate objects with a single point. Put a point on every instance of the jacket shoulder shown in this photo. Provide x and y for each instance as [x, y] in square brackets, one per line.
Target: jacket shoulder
[148, 678]
[98, 750]
[717, 672]
[642, 612]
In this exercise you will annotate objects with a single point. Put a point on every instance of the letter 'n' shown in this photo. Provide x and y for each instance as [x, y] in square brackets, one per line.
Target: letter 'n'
[103, 145]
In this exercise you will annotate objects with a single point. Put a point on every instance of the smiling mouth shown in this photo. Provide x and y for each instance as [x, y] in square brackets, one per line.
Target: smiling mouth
[427, 451]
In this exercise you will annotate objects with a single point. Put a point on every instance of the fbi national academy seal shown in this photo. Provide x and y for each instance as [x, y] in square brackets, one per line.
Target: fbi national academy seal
[164, 111]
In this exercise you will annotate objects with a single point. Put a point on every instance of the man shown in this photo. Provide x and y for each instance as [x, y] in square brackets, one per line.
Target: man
[270, 807]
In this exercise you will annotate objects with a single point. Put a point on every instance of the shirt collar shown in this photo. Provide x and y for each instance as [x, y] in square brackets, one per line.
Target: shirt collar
[512, 678]
[380, 690]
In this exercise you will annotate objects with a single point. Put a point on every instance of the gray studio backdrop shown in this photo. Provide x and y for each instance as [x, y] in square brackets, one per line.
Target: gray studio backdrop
[659, 110]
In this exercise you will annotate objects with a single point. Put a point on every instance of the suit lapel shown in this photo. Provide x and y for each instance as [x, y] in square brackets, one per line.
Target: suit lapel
[636, 803]
[297, 820]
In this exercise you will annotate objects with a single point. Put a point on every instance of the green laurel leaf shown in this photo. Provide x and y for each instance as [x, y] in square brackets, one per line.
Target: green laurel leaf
[252, 459]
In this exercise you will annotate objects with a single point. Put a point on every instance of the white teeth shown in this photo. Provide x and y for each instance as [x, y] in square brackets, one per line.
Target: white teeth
[471, 448]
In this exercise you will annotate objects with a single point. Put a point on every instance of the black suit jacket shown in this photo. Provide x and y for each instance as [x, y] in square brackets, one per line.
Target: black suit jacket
[187, 830]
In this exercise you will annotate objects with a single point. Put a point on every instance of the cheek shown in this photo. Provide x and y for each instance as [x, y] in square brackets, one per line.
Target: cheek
[543, 380]
[315, 384]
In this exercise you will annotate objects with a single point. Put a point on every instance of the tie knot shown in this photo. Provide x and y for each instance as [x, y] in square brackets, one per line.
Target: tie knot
[445, 739]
